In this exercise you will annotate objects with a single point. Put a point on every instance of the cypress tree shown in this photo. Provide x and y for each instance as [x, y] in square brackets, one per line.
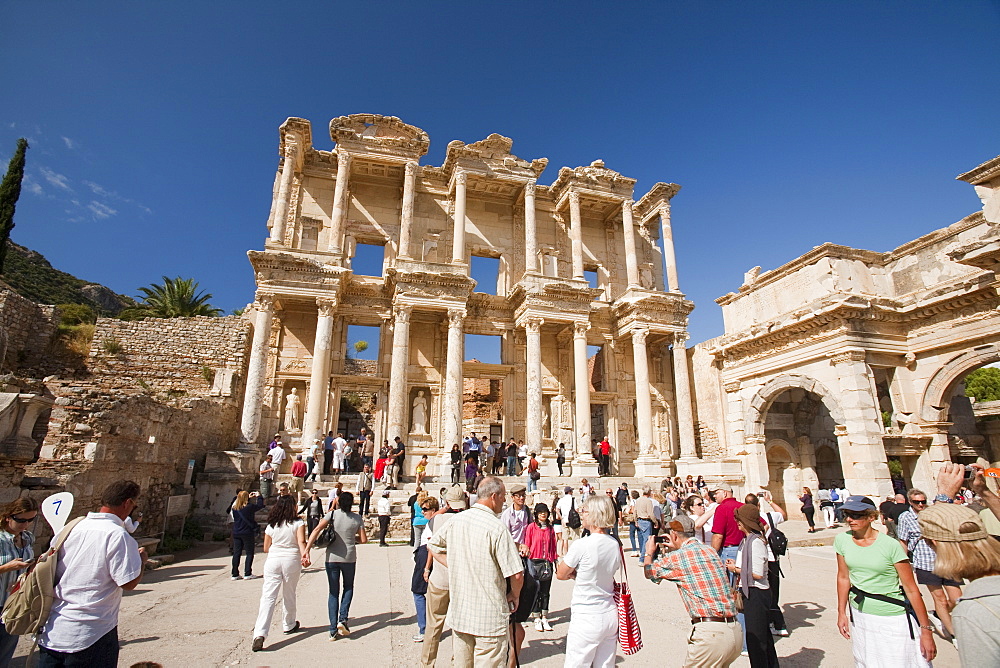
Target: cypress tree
[10, 190]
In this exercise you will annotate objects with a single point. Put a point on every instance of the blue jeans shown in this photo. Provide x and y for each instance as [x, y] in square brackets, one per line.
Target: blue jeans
[730, 553]
[8, 643]
[512, 466]
[633, 533]
[334, 571]
[420, 603]
[102, 654]
[645, 528]
[532, 484]
[311, 463]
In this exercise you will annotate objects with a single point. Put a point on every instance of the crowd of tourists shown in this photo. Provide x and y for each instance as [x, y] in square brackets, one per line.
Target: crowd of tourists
[484, 561]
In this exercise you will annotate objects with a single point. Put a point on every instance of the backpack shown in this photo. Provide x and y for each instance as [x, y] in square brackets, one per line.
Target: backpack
[573, 517]
[777, 539]
[833, 494]
[30, 601]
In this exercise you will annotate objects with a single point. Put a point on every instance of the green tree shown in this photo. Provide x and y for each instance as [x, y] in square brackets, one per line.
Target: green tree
[360, 346]
[983, 384]
[10, 191]
[176, 298]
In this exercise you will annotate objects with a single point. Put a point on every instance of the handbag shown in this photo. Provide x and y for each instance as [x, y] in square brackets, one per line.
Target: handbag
[543, 569]
[738, 596]
[629, 635]
[534, 474]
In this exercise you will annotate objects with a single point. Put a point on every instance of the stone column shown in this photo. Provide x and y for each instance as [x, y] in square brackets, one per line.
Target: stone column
[584, 461]
[339, 203]
[256, 370]
[406, 217]
[668, 248]
[452, 413]
[576, 234]
[319, 376]
[458, 240]
[643, 405]
[631, 262]
[281, 201]
[530, 230]
[398, 424]
[682, 394]
[862, 454]
[532, 329]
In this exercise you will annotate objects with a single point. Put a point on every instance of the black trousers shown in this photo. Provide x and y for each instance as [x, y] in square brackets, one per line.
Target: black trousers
[102, 654]
[559, 463]
[605, 464]
[383, 528]
[327, 461]
[809, 511]
[760, 644]
[364, 504]
[242, 544]
[774, 614]
[542, 599]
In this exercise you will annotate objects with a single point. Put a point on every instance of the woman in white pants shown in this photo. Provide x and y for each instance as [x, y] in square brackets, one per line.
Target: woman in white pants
[592, 637]
[285, 545]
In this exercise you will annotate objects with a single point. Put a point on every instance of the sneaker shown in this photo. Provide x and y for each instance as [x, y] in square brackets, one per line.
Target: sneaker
[258, 644]
[418, 637]
[294, 628]
[343, 630]
[538, 625]
[783, 633]
[545, 624]
[251, 577]
[235, 577]
[333, 636]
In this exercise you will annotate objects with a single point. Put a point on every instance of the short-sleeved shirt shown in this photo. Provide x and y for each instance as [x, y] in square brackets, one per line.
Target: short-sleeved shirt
[701, 579]
[481, 555]
[299, 468]
[9, 551]
[516, 522]
[595, 558]
[98, 557]
[346, 525]
[908, 529]
[283, 539]
[399, 453]
[439, 572]
[873, 569]
[724, 522]
[278, 455]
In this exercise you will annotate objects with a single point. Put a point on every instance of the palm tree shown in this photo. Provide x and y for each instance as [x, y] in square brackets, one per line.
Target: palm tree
[176, 298]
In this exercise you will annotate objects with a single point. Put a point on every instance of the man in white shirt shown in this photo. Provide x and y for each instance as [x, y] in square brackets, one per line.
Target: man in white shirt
[313, 454]
[96, 562]
[278, 455]
[384, 510]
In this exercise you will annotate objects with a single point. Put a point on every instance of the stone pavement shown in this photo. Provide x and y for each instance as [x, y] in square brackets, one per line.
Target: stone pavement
[191, 614]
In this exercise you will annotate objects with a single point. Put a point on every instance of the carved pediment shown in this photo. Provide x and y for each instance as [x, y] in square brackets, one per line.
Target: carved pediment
[492, 156]
[379, 134]
[594, 177]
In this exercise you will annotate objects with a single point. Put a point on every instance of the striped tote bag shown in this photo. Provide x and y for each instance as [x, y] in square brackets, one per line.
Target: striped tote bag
[629, 636]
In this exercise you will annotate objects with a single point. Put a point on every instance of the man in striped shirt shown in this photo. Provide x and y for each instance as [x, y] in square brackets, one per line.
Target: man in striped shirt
[716, 637]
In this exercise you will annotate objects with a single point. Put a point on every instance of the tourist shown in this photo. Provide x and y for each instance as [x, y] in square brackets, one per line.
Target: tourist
[965, 550]
[418, 581]
[417, 518]
[364, 486]
[366, 444]
[808, 509]
[312, 508]
[876, 590]
[561, 457]
[825, 506]
[299, 470]
[694, 507]
[471, 470]
[704, 587]
[516, 517]
[480, 555]
[689, 486]
[341, 560]
[17, 553]
[338, 454]
[398, 455]
[533, 473]
[839, 495]
[384, 510]
[287, 555]
[726, 533]
[274, 442]
[773, 515]
[700, 484]
[890, 510]
[349, 450]
[328, 453]
[605, 460]
[564, 508]
[456, 464]
[436, 574]
[944, 591]
[243, 508]
[284, 489]
[645, 516]
[540, 544]
[522, 454]
[585, 490]
[314, 453]
[266, 477]
[277, 454]
[333, 494]
[633, 530]
[499, 459]
[382, 464]
[750, 566]
[592, 562]
[622, 496]
[96, 562]
[421, 470]
[512, 458]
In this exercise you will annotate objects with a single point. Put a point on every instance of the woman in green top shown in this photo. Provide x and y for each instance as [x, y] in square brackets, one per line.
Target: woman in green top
[873, 573]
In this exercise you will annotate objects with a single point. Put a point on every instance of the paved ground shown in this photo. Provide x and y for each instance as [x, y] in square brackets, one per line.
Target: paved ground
[192, 614]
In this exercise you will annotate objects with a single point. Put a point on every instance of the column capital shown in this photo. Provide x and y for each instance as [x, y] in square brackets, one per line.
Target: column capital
[529, 188]
[401, 312]
[411, 167]
[574, 198]
[639, 336]
[680, 339]
[456, 316]
[461, 178]
[343, 160]
[664, 210]
[263, 301]
[580, 329]
[326, 305]
[533, 325]
[627, 205]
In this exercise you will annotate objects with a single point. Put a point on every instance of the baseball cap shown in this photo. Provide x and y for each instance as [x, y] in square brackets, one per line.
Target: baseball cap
[724, 486]
[518, 489]
[456, 498]
[385, 493]
[858, 504]
[946, 521]
[682, 524]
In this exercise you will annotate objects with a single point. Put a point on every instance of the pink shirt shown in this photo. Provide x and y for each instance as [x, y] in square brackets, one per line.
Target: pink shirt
[541, 542]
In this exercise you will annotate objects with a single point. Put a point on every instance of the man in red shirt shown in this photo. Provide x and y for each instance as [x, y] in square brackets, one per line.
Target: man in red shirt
[605, 457]
[299, 470]
[726, 533]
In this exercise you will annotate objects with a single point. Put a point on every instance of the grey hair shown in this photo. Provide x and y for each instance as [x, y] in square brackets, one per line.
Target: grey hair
[915, 492]
[600, 511]
[646, 490]
[489, 486]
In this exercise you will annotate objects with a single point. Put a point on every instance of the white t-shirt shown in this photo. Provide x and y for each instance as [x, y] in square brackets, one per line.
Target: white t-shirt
[338, 444]
[773, 519]
[596, 558]
[758, 561]
[564, 504]
[277, 456]
[98, 557]
[283, 540]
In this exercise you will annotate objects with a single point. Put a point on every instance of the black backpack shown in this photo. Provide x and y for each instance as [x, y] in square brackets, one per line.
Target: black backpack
[777, 539]
[573, 517]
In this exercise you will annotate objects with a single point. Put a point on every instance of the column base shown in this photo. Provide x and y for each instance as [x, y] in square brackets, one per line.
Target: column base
[649, 467]
[584, 466]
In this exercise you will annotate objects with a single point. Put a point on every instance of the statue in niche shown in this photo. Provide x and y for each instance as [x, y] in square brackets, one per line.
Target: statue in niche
[546, 422]
[419, 414]
[292, 405]
[646, 276]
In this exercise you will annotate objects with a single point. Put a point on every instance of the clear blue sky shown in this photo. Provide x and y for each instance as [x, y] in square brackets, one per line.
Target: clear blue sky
[154, 125]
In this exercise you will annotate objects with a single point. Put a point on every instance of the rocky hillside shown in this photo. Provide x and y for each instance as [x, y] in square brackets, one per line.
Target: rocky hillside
[31, 276]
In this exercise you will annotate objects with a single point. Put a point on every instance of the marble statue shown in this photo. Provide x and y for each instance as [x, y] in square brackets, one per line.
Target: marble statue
[292, 404]
[419, 414]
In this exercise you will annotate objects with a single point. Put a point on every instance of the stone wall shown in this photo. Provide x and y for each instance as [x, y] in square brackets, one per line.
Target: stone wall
[26, 330]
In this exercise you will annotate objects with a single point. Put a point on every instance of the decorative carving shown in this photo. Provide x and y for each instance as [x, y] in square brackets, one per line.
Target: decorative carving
[533, 325]
[456, 316]
[411, 168]
[848, 356]
[639, 336]
[529, 188]
[419, 416]
[327, 306]
[574, 198]
[343, 161]
[680, 339]
[461, 178]
[580, 329]
[401, 313]
[732, 387]
[263, 301]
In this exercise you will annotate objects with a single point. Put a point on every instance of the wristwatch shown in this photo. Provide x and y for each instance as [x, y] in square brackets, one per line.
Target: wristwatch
[943, 498]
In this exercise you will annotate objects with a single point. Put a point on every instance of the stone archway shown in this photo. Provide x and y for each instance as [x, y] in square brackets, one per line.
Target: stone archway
[936, 400]
[762, 400]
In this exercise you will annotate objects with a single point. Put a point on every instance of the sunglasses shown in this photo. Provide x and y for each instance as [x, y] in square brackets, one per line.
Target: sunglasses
[916, 502]
[697, 504]
[21, 520]
[854, 516]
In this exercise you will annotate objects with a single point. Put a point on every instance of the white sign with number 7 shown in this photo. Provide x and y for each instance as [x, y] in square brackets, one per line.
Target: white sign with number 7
[56, 510]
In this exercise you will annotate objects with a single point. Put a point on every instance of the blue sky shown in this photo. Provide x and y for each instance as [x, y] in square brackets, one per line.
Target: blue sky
[154, 125]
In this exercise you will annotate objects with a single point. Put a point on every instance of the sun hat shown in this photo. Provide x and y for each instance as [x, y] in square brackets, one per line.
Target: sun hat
[944, 522]
[456, 498]
[749, 515]
[518, 489]
[858, 504]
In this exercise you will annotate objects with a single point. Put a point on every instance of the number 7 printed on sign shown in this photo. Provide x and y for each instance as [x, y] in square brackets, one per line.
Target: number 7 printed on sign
[57, 509]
